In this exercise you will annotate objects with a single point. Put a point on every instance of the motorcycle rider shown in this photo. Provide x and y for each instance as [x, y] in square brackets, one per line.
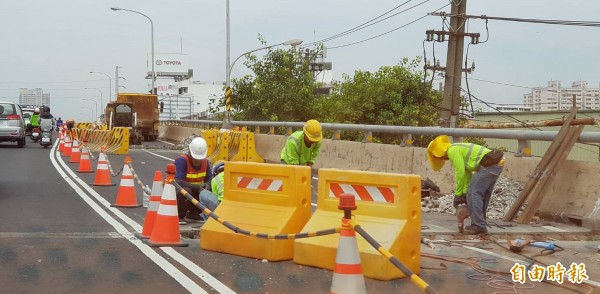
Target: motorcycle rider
[59, 123]
[46, 122]
[34, 120]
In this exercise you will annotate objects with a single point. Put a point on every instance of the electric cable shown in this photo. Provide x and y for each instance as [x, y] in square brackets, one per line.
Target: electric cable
[385, 33]
[363, 25]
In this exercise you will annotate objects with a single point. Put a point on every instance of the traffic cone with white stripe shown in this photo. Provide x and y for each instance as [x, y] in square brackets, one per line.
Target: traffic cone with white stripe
[102, 177]
[85, 165]
[166, 225]
[347, 274]
[61, 145]
[75, 153]
[157, 190]
[67, 149]
[126, 194]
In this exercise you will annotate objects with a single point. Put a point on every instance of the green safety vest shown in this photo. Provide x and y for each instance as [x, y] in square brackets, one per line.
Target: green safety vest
[34, 120]
[217, 185]
[465, 158]
[295, 151]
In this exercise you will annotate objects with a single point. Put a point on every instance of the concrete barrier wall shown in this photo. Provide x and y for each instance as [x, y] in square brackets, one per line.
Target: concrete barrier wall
[574, 194]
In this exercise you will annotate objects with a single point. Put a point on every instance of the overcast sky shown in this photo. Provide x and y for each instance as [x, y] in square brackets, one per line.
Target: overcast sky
[55, 44]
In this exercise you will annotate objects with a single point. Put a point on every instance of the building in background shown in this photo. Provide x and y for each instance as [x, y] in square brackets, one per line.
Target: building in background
[187, 99]
[33, 97]
[554, 97]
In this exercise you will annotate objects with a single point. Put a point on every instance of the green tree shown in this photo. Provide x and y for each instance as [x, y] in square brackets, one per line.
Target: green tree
[394, 95]
[282, 88]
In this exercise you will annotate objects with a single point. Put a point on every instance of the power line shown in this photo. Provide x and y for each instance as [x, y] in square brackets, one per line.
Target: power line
[382, 34]
[361, 26]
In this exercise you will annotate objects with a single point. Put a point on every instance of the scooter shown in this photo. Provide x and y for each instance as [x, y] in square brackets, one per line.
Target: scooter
[35, 134]
[46, 137]
[46, 126]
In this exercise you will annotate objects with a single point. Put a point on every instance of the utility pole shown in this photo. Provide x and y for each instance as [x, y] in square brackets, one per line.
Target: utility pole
[454, 60]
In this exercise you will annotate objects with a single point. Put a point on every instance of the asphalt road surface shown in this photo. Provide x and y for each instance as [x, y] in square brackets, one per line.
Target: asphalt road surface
[59, 234]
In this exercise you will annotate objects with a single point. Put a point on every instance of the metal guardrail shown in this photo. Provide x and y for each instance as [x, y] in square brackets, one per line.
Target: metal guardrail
[521, 135]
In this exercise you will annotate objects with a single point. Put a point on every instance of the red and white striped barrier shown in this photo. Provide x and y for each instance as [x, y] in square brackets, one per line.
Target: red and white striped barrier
[260, 184]
[363, 192]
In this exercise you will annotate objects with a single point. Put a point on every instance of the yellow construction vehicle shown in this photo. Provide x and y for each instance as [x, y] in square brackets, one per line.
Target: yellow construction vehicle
[138, 111]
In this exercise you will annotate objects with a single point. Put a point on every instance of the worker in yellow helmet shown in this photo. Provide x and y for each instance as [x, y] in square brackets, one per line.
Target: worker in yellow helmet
[302, 147]
[476, 170]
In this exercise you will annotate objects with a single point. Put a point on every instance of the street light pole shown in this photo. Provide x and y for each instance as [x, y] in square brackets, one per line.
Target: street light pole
[227, 118]
[95, 102]
[109, 85]
[151, 40]
[100, 96]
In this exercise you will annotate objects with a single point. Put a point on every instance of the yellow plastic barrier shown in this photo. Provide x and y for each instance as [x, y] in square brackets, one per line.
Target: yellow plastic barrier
[222, 150]
[389, 209]
[263, 198]
[240, 153]
[252, 155]
[210, 136]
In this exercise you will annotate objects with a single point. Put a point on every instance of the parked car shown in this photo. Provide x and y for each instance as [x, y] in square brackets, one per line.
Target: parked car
[12, 124]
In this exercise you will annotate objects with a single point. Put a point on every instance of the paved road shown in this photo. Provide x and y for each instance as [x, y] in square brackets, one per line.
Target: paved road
[59, 235]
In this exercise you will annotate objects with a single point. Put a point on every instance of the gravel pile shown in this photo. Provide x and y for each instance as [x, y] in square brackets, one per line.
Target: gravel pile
[183, 144]
[503, 197]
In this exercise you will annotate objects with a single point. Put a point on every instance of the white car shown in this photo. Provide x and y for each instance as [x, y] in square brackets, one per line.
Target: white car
[12, 124]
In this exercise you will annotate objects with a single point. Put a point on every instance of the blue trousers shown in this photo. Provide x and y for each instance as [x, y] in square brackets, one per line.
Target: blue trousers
[479, 194]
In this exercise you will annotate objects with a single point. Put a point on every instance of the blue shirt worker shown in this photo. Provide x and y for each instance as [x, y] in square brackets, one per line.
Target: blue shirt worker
[302, 147]
[194, 174]
[476, 170]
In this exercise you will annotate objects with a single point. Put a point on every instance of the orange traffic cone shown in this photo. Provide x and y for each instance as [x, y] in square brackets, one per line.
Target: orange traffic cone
[85, 165]
[102, 174]
[75, 153]
[347, 274]
[157, 190]
[166, 225]
[67, 150]
[61, 146]
[126, 194]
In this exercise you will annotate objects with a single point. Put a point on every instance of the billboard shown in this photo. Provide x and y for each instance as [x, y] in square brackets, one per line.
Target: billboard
[166, 88]
[168, 64]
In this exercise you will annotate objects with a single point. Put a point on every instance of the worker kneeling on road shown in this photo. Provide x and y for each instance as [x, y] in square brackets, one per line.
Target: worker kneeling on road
[476, 170]
[302, 147]
[194, 174]
[218, 180]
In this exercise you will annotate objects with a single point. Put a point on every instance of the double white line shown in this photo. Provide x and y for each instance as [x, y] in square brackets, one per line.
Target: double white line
[75, 182]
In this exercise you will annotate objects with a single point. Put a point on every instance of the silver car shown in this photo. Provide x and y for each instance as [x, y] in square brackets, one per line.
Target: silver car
[12, 125]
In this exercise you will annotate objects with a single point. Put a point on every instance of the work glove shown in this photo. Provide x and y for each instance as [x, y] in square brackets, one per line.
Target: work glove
[460, 199]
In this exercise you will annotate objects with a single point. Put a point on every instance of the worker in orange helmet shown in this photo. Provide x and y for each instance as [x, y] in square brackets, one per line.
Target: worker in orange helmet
[302, 147]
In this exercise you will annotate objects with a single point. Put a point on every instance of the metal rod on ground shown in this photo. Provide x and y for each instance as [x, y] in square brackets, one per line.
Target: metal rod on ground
[395, 261]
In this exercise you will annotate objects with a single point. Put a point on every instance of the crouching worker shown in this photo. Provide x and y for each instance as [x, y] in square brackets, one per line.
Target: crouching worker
[218, 180]
[194, 174]
[476, 170]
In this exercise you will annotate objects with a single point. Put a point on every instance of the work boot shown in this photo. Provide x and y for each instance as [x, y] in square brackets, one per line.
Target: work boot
[471, 230]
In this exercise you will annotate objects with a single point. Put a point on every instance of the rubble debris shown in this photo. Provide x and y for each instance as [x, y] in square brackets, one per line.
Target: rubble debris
[505, 193]
[429, 188]
[183, 144]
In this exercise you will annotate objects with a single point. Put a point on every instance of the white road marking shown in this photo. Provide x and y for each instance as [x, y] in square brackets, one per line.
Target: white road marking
[167, 158]
[166, 142]
[159, 260]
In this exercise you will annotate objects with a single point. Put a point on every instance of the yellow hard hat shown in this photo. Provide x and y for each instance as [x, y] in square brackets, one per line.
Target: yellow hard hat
[313, 131]
[436, 150]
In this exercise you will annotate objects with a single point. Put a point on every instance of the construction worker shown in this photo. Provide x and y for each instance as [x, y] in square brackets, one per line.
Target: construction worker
[218, 180]
[476, 170]
[193, 172]
[302, 147]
